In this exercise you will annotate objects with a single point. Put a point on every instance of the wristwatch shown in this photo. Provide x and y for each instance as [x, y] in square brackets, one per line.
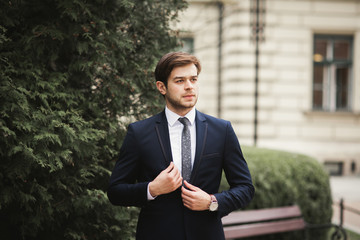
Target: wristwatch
[213, 204]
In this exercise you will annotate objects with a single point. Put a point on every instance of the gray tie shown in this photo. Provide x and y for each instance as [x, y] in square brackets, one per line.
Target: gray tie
[186, 149]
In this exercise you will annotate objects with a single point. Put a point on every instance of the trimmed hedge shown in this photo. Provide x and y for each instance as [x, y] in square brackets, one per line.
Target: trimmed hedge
[72, 76]
[283, 179]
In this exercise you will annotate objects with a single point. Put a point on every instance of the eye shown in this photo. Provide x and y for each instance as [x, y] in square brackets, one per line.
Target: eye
[194, 79]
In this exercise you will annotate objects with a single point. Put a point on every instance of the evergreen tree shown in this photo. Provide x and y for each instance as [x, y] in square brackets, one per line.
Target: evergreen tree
[73, 74]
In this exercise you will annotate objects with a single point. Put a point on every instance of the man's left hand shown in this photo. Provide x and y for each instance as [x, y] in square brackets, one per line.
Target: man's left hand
[194, 198]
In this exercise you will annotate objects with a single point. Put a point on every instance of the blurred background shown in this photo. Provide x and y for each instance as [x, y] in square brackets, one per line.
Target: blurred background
[286, 73]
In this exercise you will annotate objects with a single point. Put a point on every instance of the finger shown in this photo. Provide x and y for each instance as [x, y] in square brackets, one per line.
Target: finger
[174, 172]
[180, 181]
[185, 198]
[186, 193]
[190, 186]
[170, 167]
[187, 202]
[176, 177]
[175, 167]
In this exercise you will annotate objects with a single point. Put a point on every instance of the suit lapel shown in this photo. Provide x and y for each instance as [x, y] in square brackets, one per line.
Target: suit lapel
[201, 134]
[162, 131]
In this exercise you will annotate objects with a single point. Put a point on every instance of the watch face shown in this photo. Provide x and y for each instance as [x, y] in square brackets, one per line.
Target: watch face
[214, 206]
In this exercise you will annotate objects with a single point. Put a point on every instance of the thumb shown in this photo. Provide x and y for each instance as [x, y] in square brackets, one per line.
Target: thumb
[190, 186]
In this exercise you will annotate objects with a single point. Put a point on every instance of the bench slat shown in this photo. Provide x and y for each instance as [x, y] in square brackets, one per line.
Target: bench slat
[264, 228]
[259, 215]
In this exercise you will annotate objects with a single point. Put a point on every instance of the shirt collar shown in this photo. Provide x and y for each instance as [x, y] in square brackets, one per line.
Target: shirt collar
[172, 117]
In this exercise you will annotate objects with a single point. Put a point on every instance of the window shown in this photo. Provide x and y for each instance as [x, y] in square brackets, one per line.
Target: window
[187, 45]
[332, 73]
[334, 168]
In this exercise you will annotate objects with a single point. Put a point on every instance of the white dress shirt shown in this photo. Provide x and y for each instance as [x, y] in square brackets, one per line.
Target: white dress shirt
[175, 132]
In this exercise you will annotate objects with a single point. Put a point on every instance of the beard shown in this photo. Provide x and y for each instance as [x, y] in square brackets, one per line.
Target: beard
[180, 104]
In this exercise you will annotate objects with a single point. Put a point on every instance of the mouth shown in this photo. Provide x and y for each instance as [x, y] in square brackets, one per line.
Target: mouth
[189, 96]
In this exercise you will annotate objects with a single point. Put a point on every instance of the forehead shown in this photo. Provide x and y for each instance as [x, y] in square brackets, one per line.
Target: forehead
[189, 70]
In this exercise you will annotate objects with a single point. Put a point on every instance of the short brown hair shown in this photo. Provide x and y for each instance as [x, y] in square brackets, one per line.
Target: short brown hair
[171, 60]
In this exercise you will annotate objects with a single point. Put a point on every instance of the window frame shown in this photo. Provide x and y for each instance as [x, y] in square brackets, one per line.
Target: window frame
[187, 44]
[330, 66]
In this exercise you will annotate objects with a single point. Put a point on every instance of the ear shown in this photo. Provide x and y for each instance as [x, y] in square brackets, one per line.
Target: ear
[161, 87]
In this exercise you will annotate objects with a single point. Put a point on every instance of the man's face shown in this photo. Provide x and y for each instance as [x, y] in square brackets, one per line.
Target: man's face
[182, 89]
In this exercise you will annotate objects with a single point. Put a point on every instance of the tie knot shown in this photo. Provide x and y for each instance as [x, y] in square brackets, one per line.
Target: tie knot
[184, 121]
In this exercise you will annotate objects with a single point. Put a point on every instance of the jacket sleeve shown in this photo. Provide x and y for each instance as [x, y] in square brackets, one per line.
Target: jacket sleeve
[123, 189]
[238, 176]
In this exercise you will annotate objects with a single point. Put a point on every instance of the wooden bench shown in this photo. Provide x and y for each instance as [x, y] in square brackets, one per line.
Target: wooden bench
[268, 221]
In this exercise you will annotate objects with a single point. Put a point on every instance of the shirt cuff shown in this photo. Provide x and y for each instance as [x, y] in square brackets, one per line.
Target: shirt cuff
[149, 197]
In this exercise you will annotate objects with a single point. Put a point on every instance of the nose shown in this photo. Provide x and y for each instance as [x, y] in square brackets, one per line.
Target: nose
[188, 84]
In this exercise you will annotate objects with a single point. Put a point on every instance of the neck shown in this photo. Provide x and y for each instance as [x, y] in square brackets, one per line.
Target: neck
[181, 112]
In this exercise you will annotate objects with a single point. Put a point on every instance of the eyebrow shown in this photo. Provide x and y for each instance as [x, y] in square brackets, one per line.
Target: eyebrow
[182, 77]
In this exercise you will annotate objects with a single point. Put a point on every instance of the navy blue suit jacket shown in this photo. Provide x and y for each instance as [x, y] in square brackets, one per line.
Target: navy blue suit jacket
[146, 152]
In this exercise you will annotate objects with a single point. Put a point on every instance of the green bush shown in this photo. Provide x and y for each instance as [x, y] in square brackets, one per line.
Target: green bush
[73, 74]
[283, 179]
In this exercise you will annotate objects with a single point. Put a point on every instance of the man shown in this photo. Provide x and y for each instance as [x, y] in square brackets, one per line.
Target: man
[171, 167]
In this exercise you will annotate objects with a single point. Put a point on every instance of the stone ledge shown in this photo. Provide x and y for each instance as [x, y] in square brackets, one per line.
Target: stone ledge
[312, 113]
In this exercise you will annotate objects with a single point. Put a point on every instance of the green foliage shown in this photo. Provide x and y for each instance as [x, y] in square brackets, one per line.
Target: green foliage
[283, 179]
[73, 74]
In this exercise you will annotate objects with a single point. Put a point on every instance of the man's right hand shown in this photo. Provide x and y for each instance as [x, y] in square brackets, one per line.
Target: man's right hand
[167, 181]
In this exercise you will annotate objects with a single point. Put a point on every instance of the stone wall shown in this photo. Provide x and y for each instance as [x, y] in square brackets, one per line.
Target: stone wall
[286, 119]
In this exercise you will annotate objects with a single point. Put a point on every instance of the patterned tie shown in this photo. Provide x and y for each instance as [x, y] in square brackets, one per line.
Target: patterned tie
[186, 149]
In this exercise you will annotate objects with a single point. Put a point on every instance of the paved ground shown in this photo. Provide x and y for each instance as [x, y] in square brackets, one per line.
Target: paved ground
[347, 188]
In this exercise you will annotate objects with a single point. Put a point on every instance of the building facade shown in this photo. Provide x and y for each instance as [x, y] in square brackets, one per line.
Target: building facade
[298, 89]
